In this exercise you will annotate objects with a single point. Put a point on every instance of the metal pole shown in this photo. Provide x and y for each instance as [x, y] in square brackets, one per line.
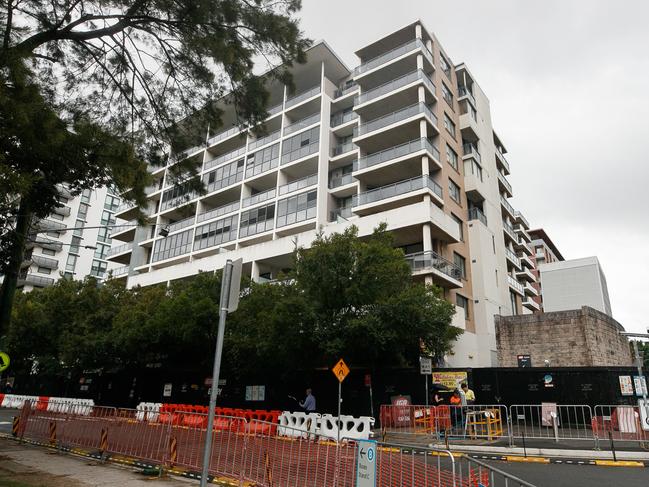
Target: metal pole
[371, 402]
[638, 362]
[223, 313]
[340, 385]
[426, 379]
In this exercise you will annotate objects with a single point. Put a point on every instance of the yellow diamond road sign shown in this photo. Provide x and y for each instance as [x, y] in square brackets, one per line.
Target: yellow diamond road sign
[340, 370]
[4, 361]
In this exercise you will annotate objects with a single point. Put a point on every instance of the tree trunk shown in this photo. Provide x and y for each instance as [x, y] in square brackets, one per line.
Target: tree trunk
[12, 272]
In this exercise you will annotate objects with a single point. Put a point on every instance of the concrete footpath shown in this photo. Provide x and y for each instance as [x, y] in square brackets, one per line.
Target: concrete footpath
[23, 465]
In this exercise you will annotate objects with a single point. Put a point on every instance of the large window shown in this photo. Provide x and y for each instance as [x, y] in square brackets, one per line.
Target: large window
[460, 263]
[74, 245]
[262, 161]
[301, 145]
[85, 195]
[101, 252]
[177, 195]
[71, 263]
[296, 208]
[104, 235]
[257, 220]
[224, 176]
[83, 211]
[445, 65]
[449, 125]
[454, 192]
[216, 233]
[448, 96]
[463, 302]
[107, 218]
[451, 157]
[460, 226]
[98, 268]
[173, 245]
[111, 203]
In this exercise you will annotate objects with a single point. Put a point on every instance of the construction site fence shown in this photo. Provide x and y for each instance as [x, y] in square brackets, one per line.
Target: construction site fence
[519, 421]
[244, 452]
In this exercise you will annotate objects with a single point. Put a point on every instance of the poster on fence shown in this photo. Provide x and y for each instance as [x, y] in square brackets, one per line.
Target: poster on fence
[401, 410]
[626, 386]
[626, 420]
[548, 410]
[452, 380]
[640, 384]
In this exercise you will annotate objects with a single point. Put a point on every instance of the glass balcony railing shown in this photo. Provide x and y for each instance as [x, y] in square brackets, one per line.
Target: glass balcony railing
[179, 225]
[503, 180]
[396, 152]
[217, 212]
[397, 189]
[519, 216]
[341, 181]
[477, 214]
[422, 261]
[41, 261]
[463, 91]
[300, 97]
[343, 149]
[37, 281]
[508, 207]
[471, 150]
[512, 256]
[394, 117]
[514, 284]
[344, 91]
[298, 184]
[395, 84]
[301, 152]
[119, 271]
[509, 230]
[501, 157]
[302, 123]
[120, 248]
[393, 54]
[223, 135]
[345, 213]
[342, 117]
[275, 110]
[217, 161]
[264, 140]
[258, 198]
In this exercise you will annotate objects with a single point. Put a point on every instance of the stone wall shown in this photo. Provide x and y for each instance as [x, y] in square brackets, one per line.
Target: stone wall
[579, 338]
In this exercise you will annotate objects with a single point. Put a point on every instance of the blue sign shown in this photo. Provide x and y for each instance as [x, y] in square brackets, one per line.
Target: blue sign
[366, 463]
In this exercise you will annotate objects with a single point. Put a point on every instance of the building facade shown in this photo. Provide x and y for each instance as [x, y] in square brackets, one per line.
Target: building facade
[571, 284]
[545, 252]
[404, 138]
[60, 246]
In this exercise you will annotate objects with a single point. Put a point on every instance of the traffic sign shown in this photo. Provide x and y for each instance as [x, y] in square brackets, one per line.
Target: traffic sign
[425, 365]
[4, 361]
[366, 463]
[340, 370]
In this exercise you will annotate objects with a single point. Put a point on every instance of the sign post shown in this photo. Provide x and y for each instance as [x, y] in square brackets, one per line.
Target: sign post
[340, 370]
[426, 369]
[368, 383]
[228, 302]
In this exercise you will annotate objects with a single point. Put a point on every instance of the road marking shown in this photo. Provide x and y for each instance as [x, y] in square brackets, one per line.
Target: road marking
[619, 463]
[527, 459]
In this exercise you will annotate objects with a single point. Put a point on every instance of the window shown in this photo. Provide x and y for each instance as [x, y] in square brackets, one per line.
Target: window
[474, 114]
[172, 246]
[71, 263]
[178, 195]
[512, 302]
[472, 167]
[262, 161]
[216, 233]
[111, 203]
[85, 195]
[224, 175]
[451, 157]
[449, 125]
[53, 234]
[301, 145]
[48, 252]
[107, 218]
[445, 65]
[459, 226]
[463, 302]
[257, 220]
[448, 96]
[454, 192]
[296, 208]
[460, 263]
[101, 252]
[74, 245]
[104, 235]
[98, 268]
[44, 270]
[56, 216]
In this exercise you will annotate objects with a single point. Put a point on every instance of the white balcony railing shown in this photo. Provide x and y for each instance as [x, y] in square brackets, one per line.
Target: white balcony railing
[397, 189]
[298, 184]
[217, 212]
[432, 260]
[393, 54]
[394, 117]
[396, 152]
[300, 97]
[394, 85]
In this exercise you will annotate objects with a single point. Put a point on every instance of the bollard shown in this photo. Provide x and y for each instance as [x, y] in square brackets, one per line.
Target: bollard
[610, 437]
[14, 426]
[555, 426]
[269, 472]
[103, 442]
[173, 453]
[52, 433]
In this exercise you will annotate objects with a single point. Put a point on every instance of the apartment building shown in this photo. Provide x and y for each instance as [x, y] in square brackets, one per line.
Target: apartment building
[60, 246]
[404, 138]
[545, 252]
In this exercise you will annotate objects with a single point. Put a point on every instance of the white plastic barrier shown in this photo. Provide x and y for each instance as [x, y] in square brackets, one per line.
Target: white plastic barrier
[15, 401]
[298, 424]
[148, 411]
[64, 405]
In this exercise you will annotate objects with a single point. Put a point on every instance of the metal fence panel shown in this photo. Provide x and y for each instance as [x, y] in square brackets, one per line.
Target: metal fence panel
[617, 422]
[551, 421]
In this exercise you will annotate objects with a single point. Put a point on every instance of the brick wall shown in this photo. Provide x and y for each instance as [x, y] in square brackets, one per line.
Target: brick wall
[579, 338]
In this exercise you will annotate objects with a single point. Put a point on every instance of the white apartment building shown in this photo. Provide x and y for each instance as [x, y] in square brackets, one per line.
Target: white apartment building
[571, 284]
[60, 246]
[403, 138]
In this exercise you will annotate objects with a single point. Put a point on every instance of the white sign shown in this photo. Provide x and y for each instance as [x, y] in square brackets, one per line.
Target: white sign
[644, 414]
[166, 392]
[366, 463]
[425, 366]
[640, 384]
[626, 386]
[255, 393]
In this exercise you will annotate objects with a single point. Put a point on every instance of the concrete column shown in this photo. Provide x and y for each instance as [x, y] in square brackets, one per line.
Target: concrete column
[425, 169]
[423, 129]
[429, 45]
[421, 94]
[420, 61]
[254, 274]
[418, 31]
[427, 237]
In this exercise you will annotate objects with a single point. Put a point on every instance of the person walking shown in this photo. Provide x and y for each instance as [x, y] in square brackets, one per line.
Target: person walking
[309, 402]
[468, 393]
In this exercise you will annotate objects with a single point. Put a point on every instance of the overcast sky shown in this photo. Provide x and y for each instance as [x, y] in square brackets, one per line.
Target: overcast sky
[567, 82]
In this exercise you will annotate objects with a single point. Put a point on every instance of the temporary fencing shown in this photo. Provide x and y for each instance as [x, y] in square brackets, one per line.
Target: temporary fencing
[16, 401]
[551, 420]
[622, 423]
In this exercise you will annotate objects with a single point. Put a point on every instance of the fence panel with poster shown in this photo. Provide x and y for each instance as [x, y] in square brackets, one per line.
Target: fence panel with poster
[621, 423]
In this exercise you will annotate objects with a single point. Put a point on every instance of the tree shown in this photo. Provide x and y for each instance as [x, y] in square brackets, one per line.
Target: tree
[93, 91]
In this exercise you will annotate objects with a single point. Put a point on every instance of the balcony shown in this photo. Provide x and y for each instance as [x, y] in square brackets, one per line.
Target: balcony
[515, 286]
[179, 225]
[463, 92]
[62, 210]
[217, 212]
[445, 272]
[341, 149]
[298, 184]
[260, 167]
[394, 85]
[525, 275]
[307, 150]
[36, 281]
[509, 231]
[522, 233]
[526, 261]
[508, 208]
[41, 261]
[341, 118]
[302, 123]
[477, 214]
[44, 243]
[217, 161]
[397, 189]
[119, 271]
[521, 219]
[504, 184]
[470, 150]
[339, 93]
[398, 152]
[341, 181]
[120, 249]
[500, 157]
[511, 256]
[342, 213]
[395, 117]
[300, 97]
[524, 246]
[530, 290]
[258, 198]
[225, 134]
[530, 304]
[51, 226]
[264, 140]
[394, 54]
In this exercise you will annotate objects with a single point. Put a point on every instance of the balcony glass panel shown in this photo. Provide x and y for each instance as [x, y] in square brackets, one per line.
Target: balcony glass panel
[507, 206]
[179, 225]
[257, 220]
[258, 198]
[298, 184]
[225, 157]
[470, 149]
[393, 54]
[216, 233]
[394, 117]
[342, 117]
[395, 84]
[264, 140]
[421, 261]
[120, 248]
[217, 212]
[396, 189]
[297, 208]
[302, 123]
[173, 245]
[341, 181]
[300, 97]
[223, 135]
[396, 152]
[477, 214]
[224, 176]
